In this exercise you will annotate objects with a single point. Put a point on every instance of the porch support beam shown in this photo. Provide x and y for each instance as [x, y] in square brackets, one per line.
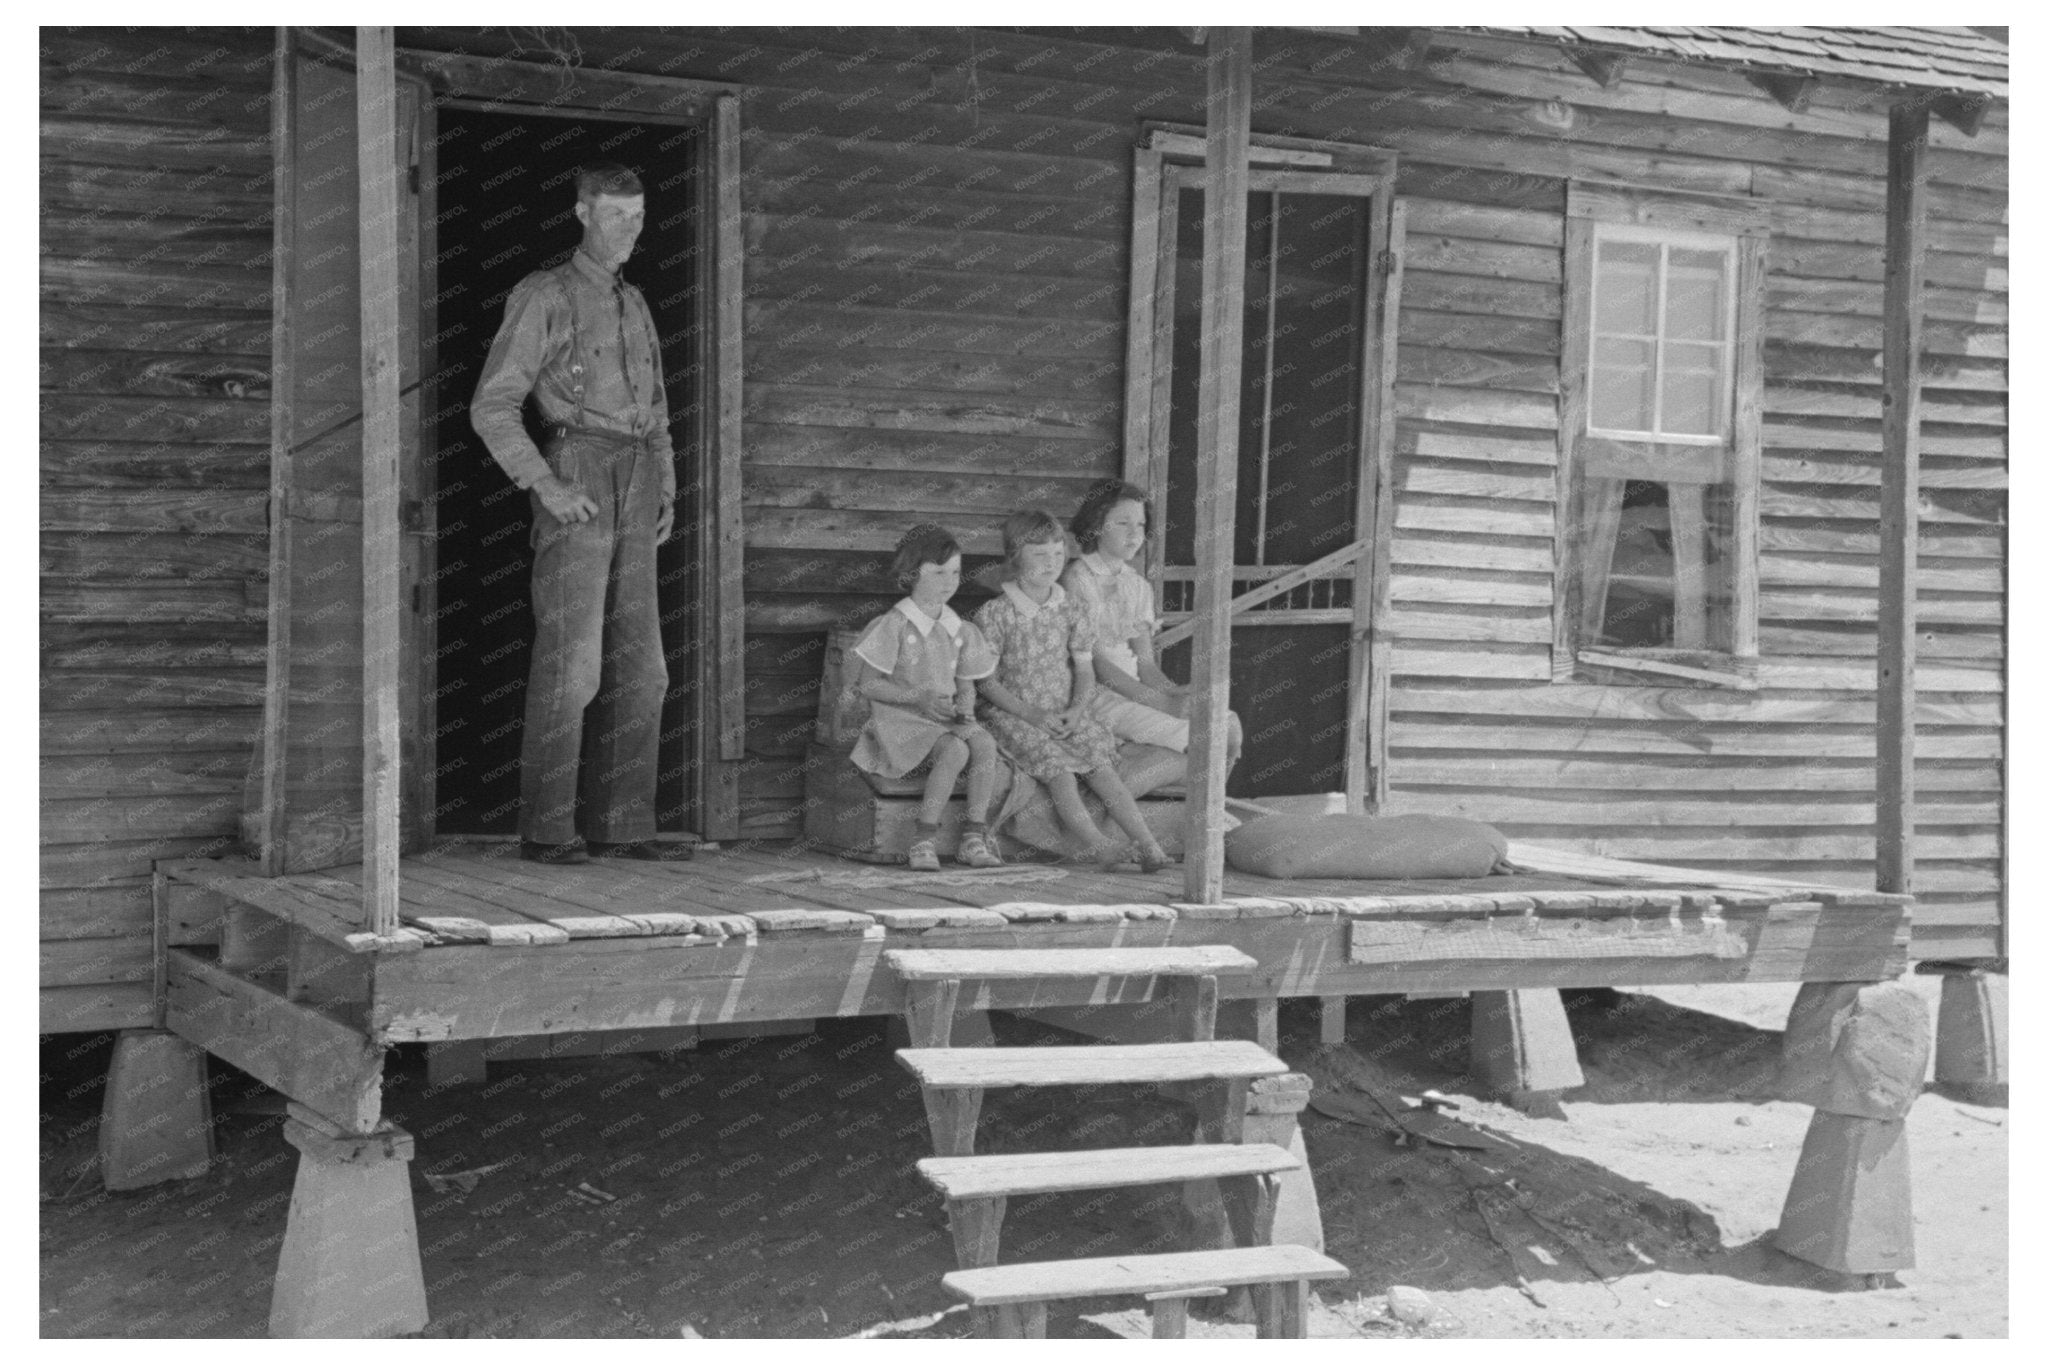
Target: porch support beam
[1228, 139]
[1899, 493]
[376, 105]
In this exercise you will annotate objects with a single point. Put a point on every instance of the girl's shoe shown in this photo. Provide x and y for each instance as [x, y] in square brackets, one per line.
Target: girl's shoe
[1153, 859]
[975, 852]
[923, 856]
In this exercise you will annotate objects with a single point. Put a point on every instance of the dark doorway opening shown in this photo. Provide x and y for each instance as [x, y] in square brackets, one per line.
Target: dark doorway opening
[1299, 454]
[504, 197]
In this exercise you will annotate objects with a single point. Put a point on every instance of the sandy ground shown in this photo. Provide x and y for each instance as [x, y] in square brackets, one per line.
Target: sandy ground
[764, 1188]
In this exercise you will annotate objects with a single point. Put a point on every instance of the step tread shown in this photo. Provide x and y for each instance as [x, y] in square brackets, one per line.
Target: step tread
[1040, 1281]
[986, 964]
[996, 1067]
[985, 1177]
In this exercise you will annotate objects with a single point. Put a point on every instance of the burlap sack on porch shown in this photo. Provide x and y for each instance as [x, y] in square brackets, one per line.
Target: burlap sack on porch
[1389, 847]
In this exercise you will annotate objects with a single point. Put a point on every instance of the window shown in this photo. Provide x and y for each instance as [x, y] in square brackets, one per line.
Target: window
[1659, 438]
[1662, 359]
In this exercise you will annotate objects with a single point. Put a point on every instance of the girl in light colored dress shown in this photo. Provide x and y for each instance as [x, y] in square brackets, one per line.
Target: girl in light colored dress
[922, 663]
[1135, 699]
[1036, 700]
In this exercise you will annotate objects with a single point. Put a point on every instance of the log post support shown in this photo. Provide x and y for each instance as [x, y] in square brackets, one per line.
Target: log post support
[1898, 515]
[156, 1122]
[350, 1264]
[1224, 215]
[383, 607]
[1522, 1043]
[1970, 1031]
[1858, 1054]
[934, 1017]
[1332, 1020]
[1289, 1212]
[1273, 1114]
[977, 1226]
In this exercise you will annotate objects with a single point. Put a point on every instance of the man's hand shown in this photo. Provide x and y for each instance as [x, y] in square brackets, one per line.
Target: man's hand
[665, 521]
[564, 501]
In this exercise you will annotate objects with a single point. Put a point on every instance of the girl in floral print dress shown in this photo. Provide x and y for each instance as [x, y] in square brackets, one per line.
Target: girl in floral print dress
[922, 662]
[1036, 700]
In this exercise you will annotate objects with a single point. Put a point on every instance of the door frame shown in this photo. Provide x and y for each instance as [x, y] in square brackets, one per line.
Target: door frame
[1168, 158]
[531, 89]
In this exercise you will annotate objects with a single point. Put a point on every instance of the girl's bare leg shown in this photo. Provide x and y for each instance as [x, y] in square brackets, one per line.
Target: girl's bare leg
[983, 766]
[1066, 799]
[949, 756]
[1123, 808]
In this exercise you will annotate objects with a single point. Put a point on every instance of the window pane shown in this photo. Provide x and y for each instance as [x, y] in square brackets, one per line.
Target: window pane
[1627, 288]
[1639, 607]
[1694, 290]
[1693, 393]
[1621, 382]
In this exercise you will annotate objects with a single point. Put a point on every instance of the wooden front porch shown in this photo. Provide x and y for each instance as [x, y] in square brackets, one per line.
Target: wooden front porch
[276, 976]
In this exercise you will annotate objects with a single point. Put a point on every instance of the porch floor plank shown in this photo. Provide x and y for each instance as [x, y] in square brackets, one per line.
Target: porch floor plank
[461, 912]
[478, 892]
[497, 883]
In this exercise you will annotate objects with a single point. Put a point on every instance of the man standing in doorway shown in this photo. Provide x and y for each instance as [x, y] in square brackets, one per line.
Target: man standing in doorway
[581, 341]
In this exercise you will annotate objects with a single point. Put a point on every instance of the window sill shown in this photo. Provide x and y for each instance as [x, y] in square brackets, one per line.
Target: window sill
[1662, 668]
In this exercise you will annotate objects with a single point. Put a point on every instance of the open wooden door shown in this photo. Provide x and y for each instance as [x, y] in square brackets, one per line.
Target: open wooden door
[1313, 523]
[304, 808]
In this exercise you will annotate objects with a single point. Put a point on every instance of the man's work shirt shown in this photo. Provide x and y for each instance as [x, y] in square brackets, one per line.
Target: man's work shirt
[575, 314]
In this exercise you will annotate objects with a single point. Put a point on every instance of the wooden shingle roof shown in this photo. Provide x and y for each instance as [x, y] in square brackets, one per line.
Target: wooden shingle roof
[1930, 58]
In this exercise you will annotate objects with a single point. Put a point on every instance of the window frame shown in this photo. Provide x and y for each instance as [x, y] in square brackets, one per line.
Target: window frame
[1721, 243]
[1593, 211]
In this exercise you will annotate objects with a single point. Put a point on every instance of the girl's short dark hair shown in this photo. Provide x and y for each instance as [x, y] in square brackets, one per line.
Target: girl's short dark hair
[1094, 509]
[921, 544]
[1029, 528]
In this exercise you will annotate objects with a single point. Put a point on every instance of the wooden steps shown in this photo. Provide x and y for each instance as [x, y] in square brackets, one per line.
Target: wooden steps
[1099, 1276]
[1278, 1275]
[1220, 1171]
[994, 1068]
[1066, 964]
[1020, 1173]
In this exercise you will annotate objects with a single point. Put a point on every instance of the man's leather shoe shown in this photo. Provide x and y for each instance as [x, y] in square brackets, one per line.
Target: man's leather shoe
[562, 854]
[643, 850]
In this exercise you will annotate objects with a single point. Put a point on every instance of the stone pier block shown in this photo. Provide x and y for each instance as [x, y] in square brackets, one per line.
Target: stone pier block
[1521, 1041]
[156, 1122]
[350, 1264]
[1850, 1208]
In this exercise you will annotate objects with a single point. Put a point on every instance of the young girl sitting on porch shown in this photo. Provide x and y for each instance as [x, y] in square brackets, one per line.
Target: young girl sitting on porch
[1037, 697]
[923, 662]
[1136, 700]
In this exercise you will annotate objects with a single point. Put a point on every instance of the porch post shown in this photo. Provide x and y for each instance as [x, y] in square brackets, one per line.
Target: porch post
[1899, 496]
[1223, 228]
[376, 102]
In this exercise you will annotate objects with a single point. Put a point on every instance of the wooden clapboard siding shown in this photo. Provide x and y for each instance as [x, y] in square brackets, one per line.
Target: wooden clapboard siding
[936, 222]
[154, 422]
[1779, 778]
